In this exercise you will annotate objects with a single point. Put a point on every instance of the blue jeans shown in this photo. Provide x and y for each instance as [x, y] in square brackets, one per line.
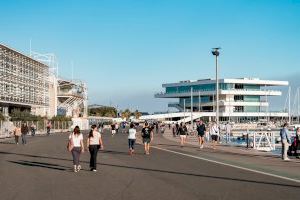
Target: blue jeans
[76, 151]
[24, 141]
[131, 143]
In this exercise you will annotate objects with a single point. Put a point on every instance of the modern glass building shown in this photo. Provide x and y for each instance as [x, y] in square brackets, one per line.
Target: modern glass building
[239, 99]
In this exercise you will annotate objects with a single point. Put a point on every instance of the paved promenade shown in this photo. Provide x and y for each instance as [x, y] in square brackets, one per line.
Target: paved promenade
[42, 170]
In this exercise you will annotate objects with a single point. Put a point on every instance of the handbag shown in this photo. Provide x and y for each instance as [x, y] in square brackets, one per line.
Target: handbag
[70, 144]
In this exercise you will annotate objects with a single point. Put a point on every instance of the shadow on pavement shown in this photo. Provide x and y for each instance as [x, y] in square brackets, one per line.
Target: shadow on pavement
[63, 168]
[41, 165]
[208, 150]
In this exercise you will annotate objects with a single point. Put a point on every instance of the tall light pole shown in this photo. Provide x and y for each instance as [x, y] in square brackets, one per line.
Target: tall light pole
[184, 110]
[192, 108]
[216, 53]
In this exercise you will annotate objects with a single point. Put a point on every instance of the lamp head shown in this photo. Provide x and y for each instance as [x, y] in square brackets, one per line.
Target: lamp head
[215, 51]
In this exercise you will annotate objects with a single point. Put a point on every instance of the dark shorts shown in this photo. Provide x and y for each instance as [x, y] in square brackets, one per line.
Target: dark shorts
[146, 140]
[214, 137]
[201, 134]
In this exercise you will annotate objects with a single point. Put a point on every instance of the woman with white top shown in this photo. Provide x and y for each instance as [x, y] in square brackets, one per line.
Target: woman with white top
[214, 132]
[94, 143]
[76, 139]
[131, 138]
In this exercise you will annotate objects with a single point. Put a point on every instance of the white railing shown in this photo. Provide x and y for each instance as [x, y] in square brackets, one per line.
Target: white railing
[208, 90]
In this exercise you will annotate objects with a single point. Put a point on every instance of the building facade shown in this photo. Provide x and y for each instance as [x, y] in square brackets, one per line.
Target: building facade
[72, 98]
[27, 83]
[240, 99]
[23, 83]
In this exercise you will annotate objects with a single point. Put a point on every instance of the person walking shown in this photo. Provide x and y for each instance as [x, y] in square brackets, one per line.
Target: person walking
[24, 131]
[94, 143]
[285, 141]
[117, 128]
[147, 135]
[131, 138]
[201, 132]
[297, 143]
[17, 133]
[32, 127]
[76, 139]
[156, 128]
[174, 130]
[228, 132]
[177, 128]
[113, 129]
[49, 125]
[183, 133]
[215, 133]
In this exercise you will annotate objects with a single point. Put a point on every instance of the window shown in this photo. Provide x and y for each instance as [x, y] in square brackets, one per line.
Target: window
[239, 86]
[238, 108]
[238, 98]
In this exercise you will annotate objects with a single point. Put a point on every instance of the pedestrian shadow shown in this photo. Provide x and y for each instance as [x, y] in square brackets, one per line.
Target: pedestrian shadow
[225, 152]
[41, 165]
[187, 146]
[200, 175]
[64, 168]
[117, 152]
[8, 142]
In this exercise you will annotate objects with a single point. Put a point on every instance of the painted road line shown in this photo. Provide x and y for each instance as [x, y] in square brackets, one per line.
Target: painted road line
[229, 165]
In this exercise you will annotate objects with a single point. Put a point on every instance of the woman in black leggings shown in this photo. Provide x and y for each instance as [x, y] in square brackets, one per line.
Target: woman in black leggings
[94, 143]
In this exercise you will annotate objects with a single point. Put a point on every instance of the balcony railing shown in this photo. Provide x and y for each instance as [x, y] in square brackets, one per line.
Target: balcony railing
[70, 93]
[195, 91]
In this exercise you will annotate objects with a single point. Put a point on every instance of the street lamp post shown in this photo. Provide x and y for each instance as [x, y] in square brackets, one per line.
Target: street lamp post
[192, 108]
[216, 53]
[184, 110]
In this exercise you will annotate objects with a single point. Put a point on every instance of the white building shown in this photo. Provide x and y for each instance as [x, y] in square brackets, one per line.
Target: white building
[30, 83]
[240, 99]
[24, 83]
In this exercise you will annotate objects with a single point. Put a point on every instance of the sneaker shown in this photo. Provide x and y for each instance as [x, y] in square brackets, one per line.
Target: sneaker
[286, 159]
[79, 168]
[94, 170]
[201, 147]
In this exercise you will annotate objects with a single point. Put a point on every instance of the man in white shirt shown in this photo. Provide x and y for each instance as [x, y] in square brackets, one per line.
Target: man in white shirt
[215, 133]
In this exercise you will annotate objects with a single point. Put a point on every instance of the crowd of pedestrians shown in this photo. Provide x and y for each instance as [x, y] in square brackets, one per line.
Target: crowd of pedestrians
[94, 141]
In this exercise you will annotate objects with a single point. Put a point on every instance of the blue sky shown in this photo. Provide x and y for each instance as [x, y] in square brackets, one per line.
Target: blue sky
[126, 49]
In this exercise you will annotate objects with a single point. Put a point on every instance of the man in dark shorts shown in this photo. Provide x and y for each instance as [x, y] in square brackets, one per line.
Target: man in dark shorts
[147, 135]
[113, 129]
[201, 132]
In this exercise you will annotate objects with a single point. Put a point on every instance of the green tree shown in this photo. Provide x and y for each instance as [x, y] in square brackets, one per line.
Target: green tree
[2, 118]
[126, 114]
[137, 114]
[104, 111]
[18, 115]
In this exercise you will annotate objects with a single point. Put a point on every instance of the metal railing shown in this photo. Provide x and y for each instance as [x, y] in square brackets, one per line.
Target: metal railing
[40, 127]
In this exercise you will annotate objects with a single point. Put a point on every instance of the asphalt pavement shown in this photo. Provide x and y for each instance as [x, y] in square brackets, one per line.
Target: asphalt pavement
[42, 169]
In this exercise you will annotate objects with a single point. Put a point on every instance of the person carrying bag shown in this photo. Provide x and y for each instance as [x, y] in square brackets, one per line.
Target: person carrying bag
[75, 146]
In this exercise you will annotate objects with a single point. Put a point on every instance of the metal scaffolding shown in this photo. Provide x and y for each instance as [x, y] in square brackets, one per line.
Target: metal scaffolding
[23, 80]
[72, 98]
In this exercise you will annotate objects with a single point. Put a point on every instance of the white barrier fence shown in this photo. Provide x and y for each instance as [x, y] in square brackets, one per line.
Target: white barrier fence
[7, 127]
